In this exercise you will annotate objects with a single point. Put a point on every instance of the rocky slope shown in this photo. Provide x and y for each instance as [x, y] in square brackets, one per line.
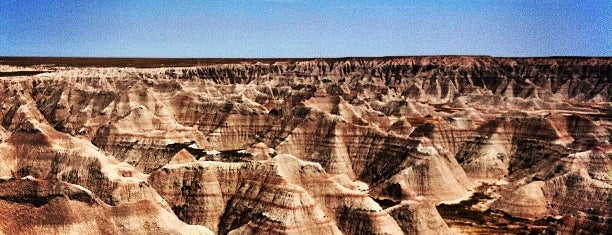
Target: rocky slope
[302, 146]
[56, 207]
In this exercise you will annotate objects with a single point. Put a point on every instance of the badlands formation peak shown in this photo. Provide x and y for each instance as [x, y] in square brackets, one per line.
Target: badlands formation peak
[305, 146]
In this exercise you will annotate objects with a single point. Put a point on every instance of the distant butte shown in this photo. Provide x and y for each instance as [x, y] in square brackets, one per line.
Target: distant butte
[390, 145]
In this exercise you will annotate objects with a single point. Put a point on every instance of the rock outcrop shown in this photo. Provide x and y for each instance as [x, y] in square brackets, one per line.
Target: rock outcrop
[579, 183]
[280, 195]
[57, 207]
[306, 146]
[419, 218]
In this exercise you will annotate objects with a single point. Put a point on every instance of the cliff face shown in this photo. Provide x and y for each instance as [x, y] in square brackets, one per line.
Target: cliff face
[313, 146]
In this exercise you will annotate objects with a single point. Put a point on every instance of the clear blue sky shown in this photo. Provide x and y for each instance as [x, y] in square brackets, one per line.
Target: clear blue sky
[294, 28]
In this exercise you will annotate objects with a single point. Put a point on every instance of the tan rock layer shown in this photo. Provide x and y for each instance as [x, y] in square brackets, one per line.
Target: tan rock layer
[56, 207]
[400, 125]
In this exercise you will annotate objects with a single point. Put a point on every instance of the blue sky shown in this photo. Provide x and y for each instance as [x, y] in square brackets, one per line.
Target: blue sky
[294, 28]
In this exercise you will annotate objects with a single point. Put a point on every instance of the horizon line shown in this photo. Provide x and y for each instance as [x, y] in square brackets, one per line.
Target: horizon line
[298, 58]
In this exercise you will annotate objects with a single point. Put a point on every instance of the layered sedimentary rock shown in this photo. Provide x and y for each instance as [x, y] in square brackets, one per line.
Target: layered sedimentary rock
[57, 207]
[281, 195]
[352, 145]
[419, 218]
[579, 183]
[581, 224]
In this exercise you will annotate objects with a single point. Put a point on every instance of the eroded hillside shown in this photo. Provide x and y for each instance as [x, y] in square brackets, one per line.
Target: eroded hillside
[305, 146]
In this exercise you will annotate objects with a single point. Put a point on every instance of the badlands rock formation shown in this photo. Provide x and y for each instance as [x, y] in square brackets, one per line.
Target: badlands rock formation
[35, 206]
[304, 146]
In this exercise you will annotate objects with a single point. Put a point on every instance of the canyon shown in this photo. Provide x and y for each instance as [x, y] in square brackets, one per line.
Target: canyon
[389, 145]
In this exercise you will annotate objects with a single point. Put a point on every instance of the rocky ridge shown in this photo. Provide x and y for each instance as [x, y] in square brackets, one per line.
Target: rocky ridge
[334, 146]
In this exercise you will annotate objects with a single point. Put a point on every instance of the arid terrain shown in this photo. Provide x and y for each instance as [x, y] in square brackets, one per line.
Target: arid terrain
[392, 145]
